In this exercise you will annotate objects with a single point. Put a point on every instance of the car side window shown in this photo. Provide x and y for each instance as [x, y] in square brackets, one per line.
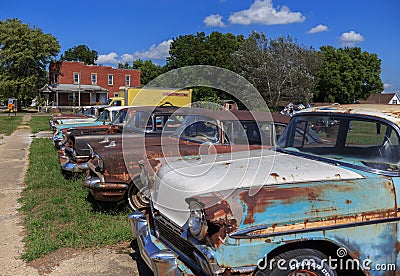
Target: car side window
[202, 130]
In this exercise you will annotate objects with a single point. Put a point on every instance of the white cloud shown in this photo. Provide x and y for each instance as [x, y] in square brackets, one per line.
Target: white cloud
[351, 38]
[214, 20]
[387, 85]
[263, 12]
[160, 51]
[317, 29]
[109, 58]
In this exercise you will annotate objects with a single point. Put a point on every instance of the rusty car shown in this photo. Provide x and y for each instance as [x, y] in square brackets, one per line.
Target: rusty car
[105, 118]
[71, 158]
[80, 141]
[83, 114]
[114, 170]
[324, 202]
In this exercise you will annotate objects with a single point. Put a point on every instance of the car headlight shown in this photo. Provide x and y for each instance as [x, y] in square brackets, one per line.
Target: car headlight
[197, 221]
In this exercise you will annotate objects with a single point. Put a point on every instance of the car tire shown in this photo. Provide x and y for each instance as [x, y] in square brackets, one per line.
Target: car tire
[305, 262]
[135, 198]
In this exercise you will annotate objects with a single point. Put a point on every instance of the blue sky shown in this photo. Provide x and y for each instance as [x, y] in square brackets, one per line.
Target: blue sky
[124, 30]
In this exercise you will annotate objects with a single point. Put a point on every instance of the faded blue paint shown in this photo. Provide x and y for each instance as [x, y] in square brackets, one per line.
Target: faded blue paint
[59, 129]
[306, 202]
[376, 242]
[359, 215]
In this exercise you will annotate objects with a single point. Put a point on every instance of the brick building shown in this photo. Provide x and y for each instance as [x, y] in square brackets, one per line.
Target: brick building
[73, 83]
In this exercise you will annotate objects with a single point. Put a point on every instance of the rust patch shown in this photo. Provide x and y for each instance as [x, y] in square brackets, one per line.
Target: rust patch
[258, 202]
[397, 247]
[275, 176]
[219, 216]
[348, 201]
[335, 220]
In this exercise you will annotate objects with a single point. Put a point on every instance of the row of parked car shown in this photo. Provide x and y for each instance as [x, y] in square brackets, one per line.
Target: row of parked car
[235, 192]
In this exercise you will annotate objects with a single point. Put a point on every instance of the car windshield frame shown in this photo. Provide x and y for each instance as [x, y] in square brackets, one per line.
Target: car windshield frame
[360, 154]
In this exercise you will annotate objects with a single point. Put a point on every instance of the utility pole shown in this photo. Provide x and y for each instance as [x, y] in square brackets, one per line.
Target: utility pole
[79, 90]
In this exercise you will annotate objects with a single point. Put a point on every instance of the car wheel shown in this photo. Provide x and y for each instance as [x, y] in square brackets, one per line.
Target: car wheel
[135, 197]
[304, 262]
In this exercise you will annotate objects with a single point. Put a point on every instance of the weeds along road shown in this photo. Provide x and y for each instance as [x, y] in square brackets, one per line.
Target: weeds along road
[14, 150]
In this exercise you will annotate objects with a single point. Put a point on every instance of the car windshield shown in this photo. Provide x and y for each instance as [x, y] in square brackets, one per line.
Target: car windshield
[249, 132]
[146, 122]
[357, 141]
[104, 117]
[198, 128]
[120, 117]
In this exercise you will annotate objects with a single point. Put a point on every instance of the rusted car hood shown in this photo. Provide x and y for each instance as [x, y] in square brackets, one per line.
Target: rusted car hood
[226, 174]
[96, 140]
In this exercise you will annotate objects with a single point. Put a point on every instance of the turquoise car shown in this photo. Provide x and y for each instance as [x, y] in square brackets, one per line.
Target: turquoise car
[324, 202]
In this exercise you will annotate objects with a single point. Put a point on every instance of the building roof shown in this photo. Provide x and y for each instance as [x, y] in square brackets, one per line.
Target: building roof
[379, 98]
[72, 88]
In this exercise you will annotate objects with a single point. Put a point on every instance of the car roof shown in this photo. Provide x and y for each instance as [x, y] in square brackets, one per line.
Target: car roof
[389, 112]
[113, 108]
[222, 115]
[242, 115]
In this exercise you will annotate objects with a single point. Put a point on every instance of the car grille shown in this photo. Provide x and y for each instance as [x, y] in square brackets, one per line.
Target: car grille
[171, 234]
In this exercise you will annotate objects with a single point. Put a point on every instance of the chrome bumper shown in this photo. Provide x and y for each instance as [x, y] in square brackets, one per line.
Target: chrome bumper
[107, 192]
[72, 167]
[95, 183]
[160, 259]
[56, 141]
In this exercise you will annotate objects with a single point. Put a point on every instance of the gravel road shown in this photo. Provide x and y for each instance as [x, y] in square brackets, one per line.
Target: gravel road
[113, 260]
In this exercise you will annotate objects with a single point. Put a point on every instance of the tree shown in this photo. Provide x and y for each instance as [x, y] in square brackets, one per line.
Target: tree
[148, 70]
[347, 75]
[24, 55]
[279, 68]
[80, 53]
[216, 49]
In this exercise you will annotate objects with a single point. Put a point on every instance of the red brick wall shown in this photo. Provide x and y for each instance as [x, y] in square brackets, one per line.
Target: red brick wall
[66, 70]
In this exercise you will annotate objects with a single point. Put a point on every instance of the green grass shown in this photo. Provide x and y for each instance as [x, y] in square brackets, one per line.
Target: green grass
[39, 123]
[9, 123]
[365, 133]
[57, 213]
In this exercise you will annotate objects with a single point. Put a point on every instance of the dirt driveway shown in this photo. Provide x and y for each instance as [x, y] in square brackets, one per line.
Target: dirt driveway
[114, 260]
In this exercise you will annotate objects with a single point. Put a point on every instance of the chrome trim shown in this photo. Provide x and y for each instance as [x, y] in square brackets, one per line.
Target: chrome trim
[96, 184]
[93, 169]
[160, 261]
[247, 233]
[74, 167]
[208, 259]
[63, 159]
[243, 270]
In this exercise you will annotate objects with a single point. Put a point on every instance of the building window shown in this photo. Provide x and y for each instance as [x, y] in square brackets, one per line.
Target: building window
[94, 78]
[55, 78]
[110, 79]
[72, 98]
[76, 78]
[128, 80]
[394, 102]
